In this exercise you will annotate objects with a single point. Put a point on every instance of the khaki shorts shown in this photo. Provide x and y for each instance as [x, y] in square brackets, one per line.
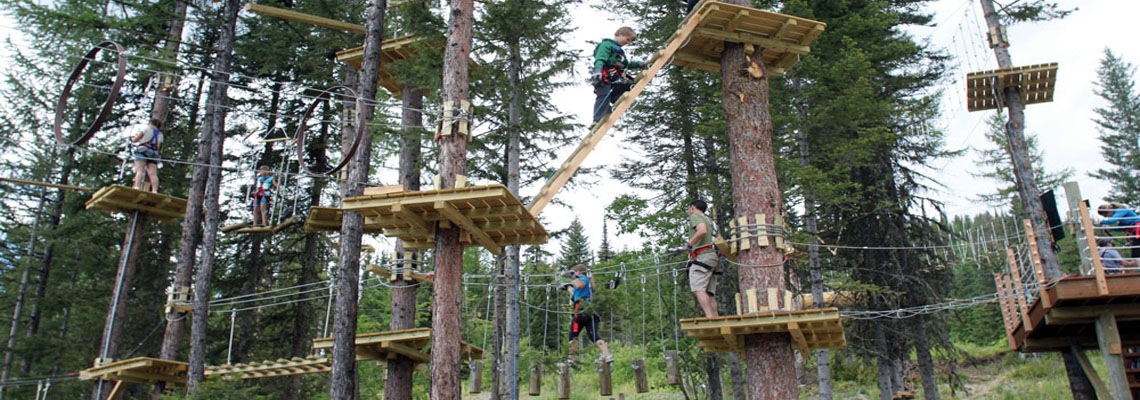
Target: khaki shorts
[701, 279]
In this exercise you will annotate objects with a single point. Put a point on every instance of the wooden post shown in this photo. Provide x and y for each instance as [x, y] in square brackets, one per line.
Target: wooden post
[1007, 288]
[535, 379]
[564, 381]
[1098, 385]
[1003, 303]
[1094, 250]
[605, 378]
[1035, 258]
[1019, 291]
[1073, 197]
[476, 383]
[672, 367]
[640, 377]
[1108, 338]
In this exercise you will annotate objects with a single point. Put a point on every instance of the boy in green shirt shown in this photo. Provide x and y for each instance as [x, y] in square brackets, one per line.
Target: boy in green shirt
[703, 259]
[608, 73]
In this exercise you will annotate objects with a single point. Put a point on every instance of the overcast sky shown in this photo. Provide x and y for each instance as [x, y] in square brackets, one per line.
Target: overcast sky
[1064, 127]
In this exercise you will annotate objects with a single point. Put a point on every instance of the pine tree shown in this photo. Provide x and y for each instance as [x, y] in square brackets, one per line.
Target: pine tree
[1118, 121]
[995, 166]
[575, 246]
[604, 252]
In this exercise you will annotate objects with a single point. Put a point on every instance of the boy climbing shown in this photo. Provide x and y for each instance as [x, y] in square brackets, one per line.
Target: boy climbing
[609, 71]
[263, 190]
[703, 259]
[584, 318]
[146, 154]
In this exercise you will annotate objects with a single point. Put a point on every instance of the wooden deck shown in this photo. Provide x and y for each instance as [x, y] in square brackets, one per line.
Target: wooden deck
[781, 39]
[1075, 304]
[411, 276]
[118, 198]
[490, 216]
[392, 50]
[411, 343]
[268, 369]
[139, 370]
[810, 329]
[1035, 83]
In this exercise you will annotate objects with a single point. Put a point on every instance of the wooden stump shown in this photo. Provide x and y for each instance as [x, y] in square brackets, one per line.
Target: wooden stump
[605, 378]
[535, 379]
[673, 367]
[476, 384]
[563, 381]
[639, 375]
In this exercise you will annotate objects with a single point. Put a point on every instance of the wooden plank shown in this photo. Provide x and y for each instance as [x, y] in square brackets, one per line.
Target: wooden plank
[536, 378]
[1019, 291]
[380, 190]
[762, 219]
[757, 40]
[778, 220]
[398, 348]
[753, 301]
[789, 304]
[117, 390]
[1108, 337]
[564, 381]
[739, 309]
[1035, 257]
[773, 298]
[571, 165]
[640, 376]
[1094, 250]
[45, 184]
[463, 222]
[1002, 303]
[234, 227]
[1098, 384]
[798, 340]
[304, 18]
[414, 220]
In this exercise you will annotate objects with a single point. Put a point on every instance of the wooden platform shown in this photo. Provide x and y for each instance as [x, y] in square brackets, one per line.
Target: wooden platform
[139, 370]
[394, 49]
[490, 216]
[268, 369]
[268, 229]
[781, 39]
[406, 276]
[810, 329]
[1076, 303]
[411, 343]
[328, 219]
[117, 198]
[1035, 82]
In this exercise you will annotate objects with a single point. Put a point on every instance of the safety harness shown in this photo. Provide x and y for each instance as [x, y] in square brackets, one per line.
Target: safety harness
[579, 307]
[616, 73]
[263, 187]
[693, 259]
[153, 142]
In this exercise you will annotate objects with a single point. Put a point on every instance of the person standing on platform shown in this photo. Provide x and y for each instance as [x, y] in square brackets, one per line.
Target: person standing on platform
[585, 319]
[1127, 220]
[703, 259]
[1110, 258]
[146, 155]
[262, 191]
[609, 71]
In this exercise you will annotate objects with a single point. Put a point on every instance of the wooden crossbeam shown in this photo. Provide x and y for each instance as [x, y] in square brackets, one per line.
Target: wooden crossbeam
[397, 348]
[463, 222]
[417, 223]
[748, 38]
[291, 15]
[45, 184]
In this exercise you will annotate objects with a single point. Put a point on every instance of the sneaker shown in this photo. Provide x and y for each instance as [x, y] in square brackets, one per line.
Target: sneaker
[607, 358]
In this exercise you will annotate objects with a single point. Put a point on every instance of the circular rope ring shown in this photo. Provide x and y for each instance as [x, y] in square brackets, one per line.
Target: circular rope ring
[120, 76]
[300, 134]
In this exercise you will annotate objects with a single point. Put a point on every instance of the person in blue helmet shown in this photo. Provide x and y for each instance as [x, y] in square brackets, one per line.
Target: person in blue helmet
[584, 319]
[1126, 219]
[147, 154]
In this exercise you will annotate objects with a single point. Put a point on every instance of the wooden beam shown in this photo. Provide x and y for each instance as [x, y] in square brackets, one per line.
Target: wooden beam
[45, 184]
[1108, 337]
[117, 390]
[398, 348]
[788, 24]
[1094, 250]
[1098, 384]
[1015, 273]
[1035, 258]
[748, 38]
[463, 222]
[291, 15]
[417, 223]
[1005, 317]
[381, 190]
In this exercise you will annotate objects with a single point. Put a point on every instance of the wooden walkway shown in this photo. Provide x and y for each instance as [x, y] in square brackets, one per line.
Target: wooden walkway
[810, 329]
[118, 198]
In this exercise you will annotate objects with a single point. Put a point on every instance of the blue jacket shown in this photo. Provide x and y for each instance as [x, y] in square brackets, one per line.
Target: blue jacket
[1123, 218]
[585, 292]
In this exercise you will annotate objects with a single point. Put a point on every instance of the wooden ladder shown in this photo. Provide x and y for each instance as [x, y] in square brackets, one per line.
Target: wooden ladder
[570, 166]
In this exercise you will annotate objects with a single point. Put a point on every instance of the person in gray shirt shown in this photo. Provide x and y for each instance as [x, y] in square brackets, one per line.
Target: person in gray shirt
[1110, 258]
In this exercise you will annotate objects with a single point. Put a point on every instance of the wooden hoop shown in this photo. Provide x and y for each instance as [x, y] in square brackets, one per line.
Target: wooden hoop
[300, 134]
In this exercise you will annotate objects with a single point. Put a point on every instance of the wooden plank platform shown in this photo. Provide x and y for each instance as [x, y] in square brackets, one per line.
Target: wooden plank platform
[395, 49]
[781, 39]
[1076, 303]
[268, 229]
[139, 370]
[268, 369]
[810, 329]
[490, 216]
[408, 276]
[1035, 82]
[328, 219]
[411, 343]
[118, 198]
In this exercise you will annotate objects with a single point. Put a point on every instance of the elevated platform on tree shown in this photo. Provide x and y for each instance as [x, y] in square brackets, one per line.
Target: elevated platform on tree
[266, 229]
[490, 216]
[117, 198]
[139, 370]
[411, 343]
[810, 329]
[781, 39]
[328, 219]
[269, 369]
[1035, 84]
[392, 50]
[1068, 312]
[409, 276]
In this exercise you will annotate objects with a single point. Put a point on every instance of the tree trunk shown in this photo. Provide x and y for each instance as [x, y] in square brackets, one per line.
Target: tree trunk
[1027, 186]
[811, 227]
[19, 307]
[771, 363]
[49, 249]
[499, 317]
[925, 362]
[399, 383]
[736, 372]
[302, 311]
[215, 131]
[514, 128]
[344, 374]
[247, 320]
[712, 368]
[883, 362]
[116, 313]
[445, 318]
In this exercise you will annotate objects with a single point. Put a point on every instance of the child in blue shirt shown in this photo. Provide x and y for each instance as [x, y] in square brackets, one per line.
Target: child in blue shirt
[584, 318]
[262, 192]
[1128, 221]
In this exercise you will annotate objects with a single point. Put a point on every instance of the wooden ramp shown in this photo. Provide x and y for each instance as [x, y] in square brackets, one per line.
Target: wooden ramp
[117, 198]
[490, 216]
[139, 370]
[1035, 83]
[269, 369]
[411, 343]
[697, 44]
[810, 329]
